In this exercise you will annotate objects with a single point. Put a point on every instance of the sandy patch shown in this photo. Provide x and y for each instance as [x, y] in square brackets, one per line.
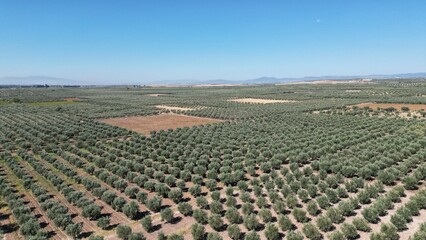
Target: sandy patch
[175, 108]
[259, 100]
[398, 106]
[155, 94]
[146, 124]
[353, 91]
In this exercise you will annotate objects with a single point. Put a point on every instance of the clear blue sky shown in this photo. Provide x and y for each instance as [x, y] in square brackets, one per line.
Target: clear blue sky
[116, 41]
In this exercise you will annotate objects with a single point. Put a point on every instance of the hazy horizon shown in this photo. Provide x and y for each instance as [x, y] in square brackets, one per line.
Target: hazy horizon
[106, 42]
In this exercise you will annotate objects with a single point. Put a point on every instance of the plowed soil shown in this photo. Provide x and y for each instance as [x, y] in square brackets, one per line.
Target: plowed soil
[145, 124]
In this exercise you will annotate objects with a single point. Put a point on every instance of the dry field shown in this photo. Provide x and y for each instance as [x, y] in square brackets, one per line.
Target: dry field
[174, 108]
[352, 91]
[412, 107]
[146, 124]
[259, 100]
[155, 94]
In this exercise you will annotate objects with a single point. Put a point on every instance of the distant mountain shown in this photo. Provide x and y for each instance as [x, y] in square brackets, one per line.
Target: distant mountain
[273, 80]
[41, 80]
[372, 76]
[37, 80]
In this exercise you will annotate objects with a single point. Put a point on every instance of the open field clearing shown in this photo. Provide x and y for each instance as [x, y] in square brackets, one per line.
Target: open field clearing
[173, 108]
[398, 106]
[103, 169]
[146, 124]
[352, 91]
[156, 94]
[259, 100]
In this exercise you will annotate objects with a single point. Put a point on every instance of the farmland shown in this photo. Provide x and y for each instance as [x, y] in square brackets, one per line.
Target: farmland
[302, 161]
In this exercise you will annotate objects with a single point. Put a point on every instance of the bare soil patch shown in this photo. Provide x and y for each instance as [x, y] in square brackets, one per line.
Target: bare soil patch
[259, 100]
[353, 91]
[156, 94]
[175, 108]
[412, 107]
[146, 124]
[71, 99]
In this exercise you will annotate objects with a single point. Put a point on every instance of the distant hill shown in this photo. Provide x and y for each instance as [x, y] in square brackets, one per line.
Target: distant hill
[42, 80]
[37, 80]
[273, 80]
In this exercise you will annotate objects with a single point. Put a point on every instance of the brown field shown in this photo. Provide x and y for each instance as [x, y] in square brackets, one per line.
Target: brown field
[146, 124]
[412, 107]
[259, 100]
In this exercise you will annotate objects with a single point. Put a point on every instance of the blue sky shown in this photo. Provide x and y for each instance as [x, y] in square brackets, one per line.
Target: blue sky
[136, 41]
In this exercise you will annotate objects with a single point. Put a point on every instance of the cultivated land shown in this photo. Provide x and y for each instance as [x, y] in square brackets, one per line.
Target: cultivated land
[341, 161]
[146, 124]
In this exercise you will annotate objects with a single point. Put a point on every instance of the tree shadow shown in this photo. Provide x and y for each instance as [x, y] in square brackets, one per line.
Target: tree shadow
[260, 227]
[353, 238]
[175, 220]
[51, 234]
[155, 228]
[223, 228]
[4, 216]
[111, 226]
[43, 224]
[164, 206]
[86, 234]
[140, 215]
[105, 215]
[9, 228]
[281, 235]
